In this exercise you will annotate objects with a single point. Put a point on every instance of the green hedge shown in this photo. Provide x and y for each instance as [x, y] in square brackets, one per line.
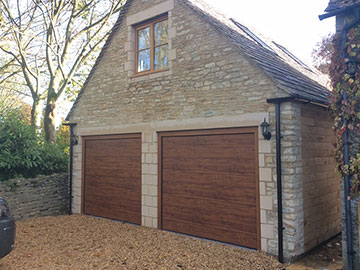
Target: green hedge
[24, 153]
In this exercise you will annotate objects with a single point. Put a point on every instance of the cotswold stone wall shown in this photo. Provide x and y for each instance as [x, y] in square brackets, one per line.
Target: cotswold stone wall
[42, 196]
[321, 183]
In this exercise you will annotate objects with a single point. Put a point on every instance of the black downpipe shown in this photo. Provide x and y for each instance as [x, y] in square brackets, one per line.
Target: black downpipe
[278, 102]
[347, 197]
[72, 142]
[279, 183]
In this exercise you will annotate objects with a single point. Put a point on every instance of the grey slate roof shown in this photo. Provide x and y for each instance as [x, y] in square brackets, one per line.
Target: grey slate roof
[298, 81]
[335, 5]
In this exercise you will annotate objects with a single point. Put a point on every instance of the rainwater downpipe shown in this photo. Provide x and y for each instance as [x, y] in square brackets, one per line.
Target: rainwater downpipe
[347, 195]
[279, 183]
[73, 142]
[277, 102]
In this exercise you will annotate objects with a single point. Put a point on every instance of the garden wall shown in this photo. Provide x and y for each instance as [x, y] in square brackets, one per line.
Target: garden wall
[33, 197]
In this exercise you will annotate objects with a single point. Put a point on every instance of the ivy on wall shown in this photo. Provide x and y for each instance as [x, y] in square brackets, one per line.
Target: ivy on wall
[345, 103]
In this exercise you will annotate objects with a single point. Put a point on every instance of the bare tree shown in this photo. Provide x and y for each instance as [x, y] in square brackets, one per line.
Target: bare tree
[50, 45]
[322, 54]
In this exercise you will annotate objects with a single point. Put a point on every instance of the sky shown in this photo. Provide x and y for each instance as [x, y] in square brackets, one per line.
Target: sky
[293, 24]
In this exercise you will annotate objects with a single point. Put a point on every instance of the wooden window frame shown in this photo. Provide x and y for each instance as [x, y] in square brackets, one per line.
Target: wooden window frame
[152, 48]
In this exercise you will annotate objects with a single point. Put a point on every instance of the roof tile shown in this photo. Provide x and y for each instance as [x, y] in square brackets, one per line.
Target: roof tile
[339, 4]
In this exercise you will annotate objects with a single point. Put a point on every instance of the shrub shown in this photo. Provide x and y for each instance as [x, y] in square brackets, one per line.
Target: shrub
[23, 153]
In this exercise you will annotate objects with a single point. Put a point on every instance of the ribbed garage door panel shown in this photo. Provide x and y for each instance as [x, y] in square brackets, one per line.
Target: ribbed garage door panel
[112, 177]
[209, 185]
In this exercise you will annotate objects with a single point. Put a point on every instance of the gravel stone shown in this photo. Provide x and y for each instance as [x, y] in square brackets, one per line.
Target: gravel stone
[84, 242]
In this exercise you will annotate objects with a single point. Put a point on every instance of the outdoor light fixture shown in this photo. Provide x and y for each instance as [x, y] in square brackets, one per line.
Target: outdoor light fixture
[73, 139]
[265, 130]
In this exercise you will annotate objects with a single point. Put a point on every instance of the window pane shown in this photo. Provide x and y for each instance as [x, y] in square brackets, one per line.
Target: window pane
[161, 57]
[143, 61]
[143, 36]
[160, 32]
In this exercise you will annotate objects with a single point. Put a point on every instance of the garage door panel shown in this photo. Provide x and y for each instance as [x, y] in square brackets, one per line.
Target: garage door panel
[209, 140]
[125, 143]
[225, 152]
[94, 202]
[209, 185]
[128, 197]
[218, 207]
[224, 235]
[112, 177]
[206, 165]
[114, 212]
[241, 180]
[243, 222]
[99, 180]
[208, 191]
[201, 219]
[106, 161]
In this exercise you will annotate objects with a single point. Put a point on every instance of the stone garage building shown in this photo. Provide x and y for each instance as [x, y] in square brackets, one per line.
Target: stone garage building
[168, 124]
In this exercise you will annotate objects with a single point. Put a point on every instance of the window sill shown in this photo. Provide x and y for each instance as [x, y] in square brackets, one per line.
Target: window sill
[136, 75]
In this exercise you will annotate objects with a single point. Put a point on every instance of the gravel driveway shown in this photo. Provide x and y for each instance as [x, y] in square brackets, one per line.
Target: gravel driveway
[82, 242]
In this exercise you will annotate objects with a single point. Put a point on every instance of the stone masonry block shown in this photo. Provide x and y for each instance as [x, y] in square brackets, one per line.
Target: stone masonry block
[153, 168]
[145, 168]
[148, 158]
[266, 202]
[264, 146]
[262, 188]
[148, 221]
[153, 212]
[265, 174]
[155, 223]
[145, 147]
[153, 148]
[262, 216]
[261, 160]
[145, 189]
[153, 190]
[267, 231]
[144, 210]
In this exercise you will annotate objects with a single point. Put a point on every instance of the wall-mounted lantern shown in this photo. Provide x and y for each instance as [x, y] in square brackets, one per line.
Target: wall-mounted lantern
[265, 130]
[73, 139]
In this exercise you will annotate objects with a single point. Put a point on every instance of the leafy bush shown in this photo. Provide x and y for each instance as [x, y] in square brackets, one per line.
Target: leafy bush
[23, 153]
[62, 138]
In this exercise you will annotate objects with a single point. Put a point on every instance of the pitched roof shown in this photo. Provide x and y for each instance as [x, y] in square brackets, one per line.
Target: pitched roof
[288, 72]
[335, 5]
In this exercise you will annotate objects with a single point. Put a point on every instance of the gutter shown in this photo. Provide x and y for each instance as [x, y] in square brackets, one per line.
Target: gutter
[73, 142]
[337, 12]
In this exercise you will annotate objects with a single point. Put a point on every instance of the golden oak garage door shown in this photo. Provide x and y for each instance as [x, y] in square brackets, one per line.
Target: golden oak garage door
[209, 184]
[112, 177]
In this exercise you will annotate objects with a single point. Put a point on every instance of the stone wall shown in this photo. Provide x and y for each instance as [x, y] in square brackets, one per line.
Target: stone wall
[321, 183]
[291, 180]
[33, 197]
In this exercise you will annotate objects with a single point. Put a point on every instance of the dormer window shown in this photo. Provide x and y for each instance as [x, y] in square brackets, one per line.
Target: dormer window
[152, 46]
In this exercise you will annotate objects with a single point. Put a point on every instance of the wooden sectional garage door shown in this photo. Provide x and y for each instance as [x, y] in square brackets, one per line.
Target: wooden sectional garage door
[112, 177]
[209, 184]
